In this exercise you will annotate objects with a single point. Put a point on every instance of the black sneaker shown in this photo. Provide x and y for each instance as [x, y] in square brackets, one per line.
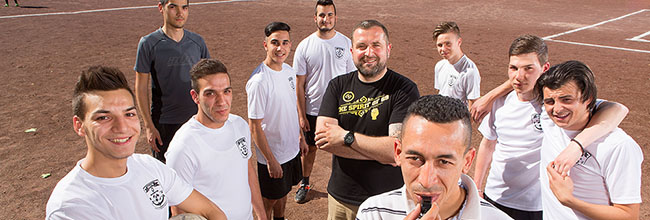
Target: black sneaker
[301, 194]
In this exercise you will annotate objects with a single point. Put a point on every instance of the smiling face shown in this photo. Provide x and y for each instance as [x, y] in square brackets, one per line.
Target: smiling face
[111, 126]
[565, 107]
[277, 46]
[370, 51]
[175, 13]
[214, 99]
[325, 18]
[448, 45]
[432, 158]
[523, 71]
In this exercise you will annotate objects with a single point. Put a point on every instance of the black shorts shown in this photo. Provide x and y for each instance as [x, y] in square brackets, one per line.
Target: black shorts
[272, 188]
[166, 132]
[310, 135]
[516, 214]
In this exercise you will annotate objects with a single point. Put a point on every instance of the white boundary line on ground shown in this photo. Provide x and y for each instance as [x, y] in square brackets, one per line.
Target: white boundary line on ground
[637, 38]
[112, 9]
[640, 38]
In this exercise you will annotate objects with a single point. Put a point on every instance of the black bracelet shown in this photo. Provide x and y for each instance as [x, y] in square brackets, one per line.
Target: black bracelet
[579, 144]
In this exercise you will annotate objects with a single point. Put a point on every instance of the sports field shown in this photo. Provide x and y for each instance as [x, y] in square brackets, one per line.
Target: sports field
[46, 43]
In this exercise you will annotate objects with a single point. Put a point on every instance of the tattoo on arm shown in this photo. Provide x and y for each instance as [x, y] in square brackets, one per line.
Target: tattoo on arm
[395, 130]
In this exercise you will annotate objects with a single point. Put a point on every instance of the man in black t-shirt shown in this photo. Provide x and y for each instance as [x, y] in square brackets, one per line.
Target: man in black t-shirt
[360, 117]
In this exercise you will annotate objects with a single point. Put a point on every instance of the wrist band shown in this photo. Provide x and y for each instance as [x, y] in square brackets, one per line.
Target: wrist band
[579, 144]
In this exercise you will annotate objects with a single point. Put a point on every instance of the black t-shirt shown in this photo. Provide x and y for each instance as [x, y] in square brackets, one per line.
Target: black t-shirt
[366, 108]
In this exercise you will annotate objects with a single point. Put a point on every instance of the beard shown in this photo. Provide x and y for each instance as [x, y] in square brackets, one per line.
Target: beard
[324, 29]
[370, 72]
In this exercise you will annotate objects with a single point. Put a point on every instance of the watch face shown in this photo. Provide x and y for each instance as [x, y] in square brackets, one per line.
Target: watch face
[349, 138]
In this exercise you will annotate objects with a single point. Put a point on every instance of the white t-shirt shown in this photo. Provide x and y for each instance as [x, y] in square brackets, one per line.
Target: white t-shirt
[272, 97]
[215, 163]
[321, 60]
[396, 205]
[145, 192]
[608, 173]
[460, 80]
[513, 179]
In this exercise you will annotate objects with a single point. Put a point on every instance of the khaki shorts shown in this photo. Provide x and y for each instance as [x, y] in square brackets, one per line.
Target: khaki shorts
[340, 211]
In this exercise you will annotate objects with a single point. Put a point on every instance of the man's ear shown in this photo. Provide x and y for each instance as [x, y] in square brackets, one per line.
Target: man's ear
[195, 96]
[397, 151]
[160, 7]
[77, 124]
[546, 66]
[460, 41]
[468, 158]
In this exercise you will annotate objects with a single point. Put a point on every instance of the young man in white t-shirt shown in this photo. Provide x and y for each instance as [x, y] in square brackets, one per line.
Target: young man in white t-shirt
[434, 153]
[111, 182]
[212, 150]
[512, 135]
[606, 181]
[273, 115]
[319, 58]
[456, 75]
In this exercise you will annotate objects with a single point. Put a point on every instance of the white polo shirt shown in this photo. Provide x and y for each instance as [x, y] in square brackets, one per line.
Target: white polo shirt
[460, 80]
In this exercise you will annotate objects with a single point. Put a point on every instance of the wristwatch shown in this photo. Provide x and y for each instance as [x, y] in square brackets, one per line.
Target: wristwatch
[349, 139]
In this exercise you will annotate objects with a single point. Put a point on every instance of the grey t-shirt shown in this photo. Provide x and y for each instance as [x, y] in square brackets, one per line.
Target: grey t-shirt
[169, 63]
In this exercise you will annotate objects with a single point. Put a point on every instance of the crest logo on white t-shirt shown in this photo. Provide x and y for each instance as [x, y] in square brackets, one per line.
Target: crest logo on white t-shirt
[241, 144]
[293, 85]
[583, 158]
[452, 80]
[536, 122]
[156, 194]
[338, 52]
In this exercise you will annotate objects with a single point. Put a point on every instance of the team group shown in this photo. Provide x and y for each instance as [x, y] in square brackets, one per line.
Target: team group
[554, 151]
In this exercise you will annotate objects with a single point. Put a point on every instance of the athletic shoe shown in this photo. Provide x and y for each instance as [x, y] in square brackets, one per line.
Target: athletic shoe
[6, 5]
[17, 5]
[301, 194]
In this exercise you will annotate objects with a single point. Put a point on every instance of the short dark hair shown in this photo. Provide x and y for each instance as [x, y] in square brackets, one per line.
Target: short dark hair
[276, 26]
[325, 3]
[442, 109]
[204, 68]
[529, 44]
[563, 73]
[367, 24]
[446, 27]
[164, 2]
[97, 78]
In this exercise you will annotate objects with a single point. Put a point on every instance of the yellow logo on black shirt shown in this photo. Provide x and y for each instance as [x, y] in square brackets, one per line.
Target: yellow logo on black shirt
[348, 96]
[361, 106]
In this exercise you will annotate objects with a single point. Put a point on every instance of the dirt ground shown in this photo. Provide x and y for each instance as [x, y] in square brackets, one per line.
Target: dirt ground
[41, 57]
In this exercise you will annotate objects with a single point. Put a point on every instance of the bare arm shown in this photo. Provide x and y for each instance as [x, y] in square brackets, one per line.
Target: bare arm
[256, 196]
[327, 137]
[300, 93]
[562, 188]
[142, 100]
[199, 204]
[483, 105]
[606, 118]
[380, 149]
[483, 160]
[258, 136]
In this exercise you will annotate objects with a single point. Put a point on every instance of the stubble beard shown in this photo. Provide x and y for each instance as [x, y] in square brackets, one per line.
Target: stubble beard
[373, 71]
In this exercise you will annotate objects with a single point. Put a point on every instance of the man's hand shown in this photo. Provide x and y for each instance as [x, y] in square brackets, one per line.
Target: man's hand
[304, 148]
[153, 137]
[480, 108]
[275, 170]
[432, 214]
[330, 135]
[562, 187]
[567, 159]
[304, 123]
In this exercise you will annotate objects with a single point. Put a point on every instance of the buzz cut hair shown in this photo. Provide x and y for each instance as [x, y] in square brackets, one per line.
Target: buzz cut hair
[164, 2]
[529, 44]
[97, 78]
[367, 24]
[442, 109]
[206, 67]
[324, 3]
[446, 27]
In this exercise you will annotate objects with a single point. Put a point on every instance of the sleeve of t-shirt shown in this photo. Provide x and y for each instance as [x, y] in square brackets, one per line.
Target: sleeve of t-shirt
[299, 63]
[623, 173]
[350, 63]
[329, 106]
[256, 97]
[487, 128]
[408, 94]
[78, 211]
[143, 57]
[176, 189]
[243, 126]
[473, 84]
[179, 159]
[437, 84]
[205, 53]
